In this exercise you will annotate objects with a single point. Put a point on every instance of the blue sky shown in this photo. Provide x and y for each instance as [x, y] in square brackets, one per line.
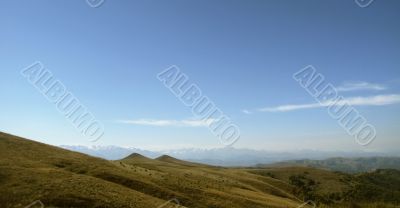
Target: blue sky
[242, 54]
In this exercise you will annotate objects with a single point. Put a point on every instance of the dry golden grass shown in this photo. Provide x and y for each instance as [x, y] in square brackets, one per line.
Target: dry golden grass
[32, 171]
[59, 178]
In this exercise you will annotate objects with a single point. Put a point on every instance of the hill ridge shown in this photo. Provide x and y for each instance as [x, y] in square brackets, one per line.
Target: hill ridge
[136, 156]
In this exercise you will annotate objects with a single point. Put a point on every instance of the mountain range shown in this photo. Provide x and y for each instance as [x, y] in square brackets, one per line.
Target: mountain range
[223, 156]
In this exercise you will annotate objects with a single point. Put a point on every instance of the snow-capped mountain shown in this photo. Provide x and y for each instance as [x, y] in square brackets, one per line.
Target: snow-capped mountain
[109, 152]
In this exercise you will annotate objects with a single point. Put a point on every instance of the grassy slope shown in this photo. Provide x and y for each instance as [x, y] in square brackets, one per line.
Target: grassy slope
[380, 188]
[30, 171]
[60, 178]
[200, 185]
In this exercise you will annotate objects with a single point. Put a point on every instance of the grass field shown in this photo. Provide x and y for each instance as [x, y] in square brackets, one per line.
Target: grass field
[31, 171]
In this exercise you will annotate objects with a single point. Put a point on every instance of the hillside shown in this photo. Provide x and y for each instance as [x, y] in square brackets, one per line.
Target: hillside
[348, 165]
[380, 188]
[31, 171]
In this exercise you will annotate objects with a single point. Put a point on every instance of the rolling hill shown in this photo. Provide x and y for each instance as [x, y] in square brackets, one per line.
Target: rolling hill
[31, 171]
[349, 165]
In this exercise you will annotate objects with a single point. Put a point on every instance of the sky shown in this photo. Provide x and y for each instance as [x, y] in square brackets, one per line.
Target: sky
[241, 54]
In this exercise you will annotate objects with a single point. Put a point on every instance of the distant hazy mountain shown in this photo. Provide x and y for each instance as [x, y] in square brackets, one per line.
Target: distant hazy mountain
[349, 165]
[219, 156]
[109, 152]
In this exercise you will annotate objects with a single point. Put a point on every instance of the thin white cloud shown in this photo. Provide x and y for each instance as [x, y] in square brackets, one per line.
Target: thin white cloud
[377, 100]
[174, 123]
[357, 86]
[247, 111]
